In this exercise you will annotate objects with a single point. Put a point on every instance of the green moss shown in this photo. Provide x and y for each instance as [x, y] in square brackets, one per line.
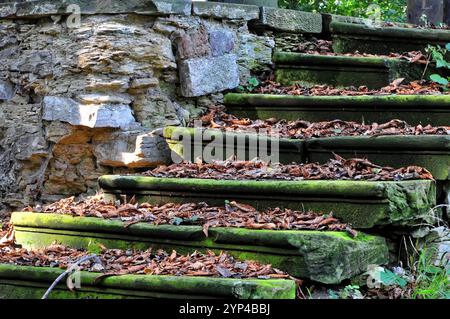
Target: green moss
[414, 109]
[183, 285]
[309, 254]
[429, 151]
[347, 188]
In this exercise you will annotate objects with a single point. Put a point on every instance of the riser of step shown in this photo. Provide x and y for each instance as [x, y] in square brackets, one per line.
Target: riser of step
[27, 282]
[342, 71]
[429, 151]
[190, 144]
[299, 253]
[414, 109]
[360, 203]
[351, 37]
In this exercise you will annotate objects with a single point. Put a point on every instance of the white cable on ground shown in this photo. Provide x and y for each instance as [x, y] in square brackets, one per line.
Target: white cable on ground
[69, 270]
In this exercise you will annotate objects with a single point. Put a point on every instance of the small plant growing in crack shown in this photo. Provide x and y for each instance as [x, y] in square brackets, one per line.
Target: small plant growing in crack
[438, 56]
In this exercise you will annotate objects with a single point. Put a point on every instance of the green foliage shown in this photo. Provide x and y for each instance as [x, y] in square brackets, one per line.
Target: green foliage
[349, 292]
[391, 10]
[388, 278]
[438, 55]
[432, 281]
[252, 84]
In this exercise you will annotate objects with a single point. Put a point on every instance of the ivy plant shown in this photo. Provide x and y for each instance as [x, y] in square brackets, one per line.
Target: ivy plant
[438, 56]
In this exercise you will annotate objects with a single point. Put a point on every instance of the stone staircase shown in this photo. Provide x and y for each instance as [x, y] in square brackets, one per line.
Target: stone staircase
[326, 257]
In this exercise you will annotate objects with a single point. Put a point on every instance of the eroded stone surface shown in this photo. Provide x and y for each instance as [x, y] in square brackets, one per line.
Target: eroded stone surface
[6, 90]
[208, 75]
[91, 115]
[225, 10]
[291, 20]
[123, 64]
[29, 9]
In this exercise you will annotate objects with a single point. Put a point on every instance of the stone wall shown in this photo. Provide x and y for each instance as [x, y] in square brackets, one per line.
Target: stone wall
[78, 100]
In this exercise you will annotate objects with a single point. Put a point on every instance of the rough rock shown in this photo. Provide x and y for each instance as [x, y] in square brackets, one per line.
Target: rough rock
[102, 115]
[221, 41]
[225, 10]
[61, 7]
[208, 75]
[192, 43]
[437, 242]
[255, 52]
[6, 90]
[133, 149]
[265, 3]
[291, 20]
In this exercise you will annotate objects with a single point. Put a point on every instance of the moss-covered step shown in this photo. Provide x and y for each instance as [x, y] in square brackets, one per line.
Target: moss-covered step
[341, 71]
[324, 256]
[364, 204]
[414, 109]
[213, 144]
[351, 37]
[429, 151]
[27, 282]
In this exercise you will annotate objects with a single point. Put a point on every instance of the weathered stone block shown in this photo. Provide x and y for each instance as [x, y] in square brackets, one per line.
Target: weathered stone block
[225, 10]
[291, 20]
[61, 7]
[96, 115]
[208, 75]
[133, 149]
[255, 52]
[221, 41]
[192, 44]
[6, 90]
[265, 3]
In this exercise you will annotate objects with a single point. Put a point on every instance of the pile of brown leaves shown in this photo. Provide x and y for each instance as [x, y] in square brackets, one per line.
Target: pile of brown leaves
[415, 26]
[120, 262]
[325, 47]
[396, 87]
[232, 214]
[7, 237]
[335, 169]
[218, 119]
[315, 46]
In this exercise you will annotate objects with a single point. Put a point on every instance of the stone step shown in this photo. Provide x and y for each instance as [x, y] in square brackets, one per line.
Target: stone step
[324, 256]
[351, 37]
[414, 109]
[27, 282]
[342, 71]
[212, 144]
[364, 204]
[429, 151]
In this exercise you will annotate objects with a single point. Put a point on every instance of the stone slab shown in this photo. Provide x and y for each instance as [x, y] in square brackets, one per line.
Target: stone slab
[429, 151]
[324, 256]
[144, 286]
[414, 109]
[190, 144]
[90, 115]
[291, 20]
[265, 3]
[364, 204]
[202, 76]
[40, 8]
[225, 10]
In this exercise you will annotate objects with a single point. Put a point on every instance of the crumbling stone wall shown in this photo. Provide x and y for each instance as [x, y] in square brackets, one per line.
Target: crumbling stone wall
[79, 102]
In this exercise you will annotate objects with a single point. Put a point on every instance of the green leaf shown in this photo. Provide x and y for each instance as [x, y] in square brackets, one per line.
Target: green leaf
[388, 278]
[177, 221]
[447, 46]
[439, 79]
[253, 82]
